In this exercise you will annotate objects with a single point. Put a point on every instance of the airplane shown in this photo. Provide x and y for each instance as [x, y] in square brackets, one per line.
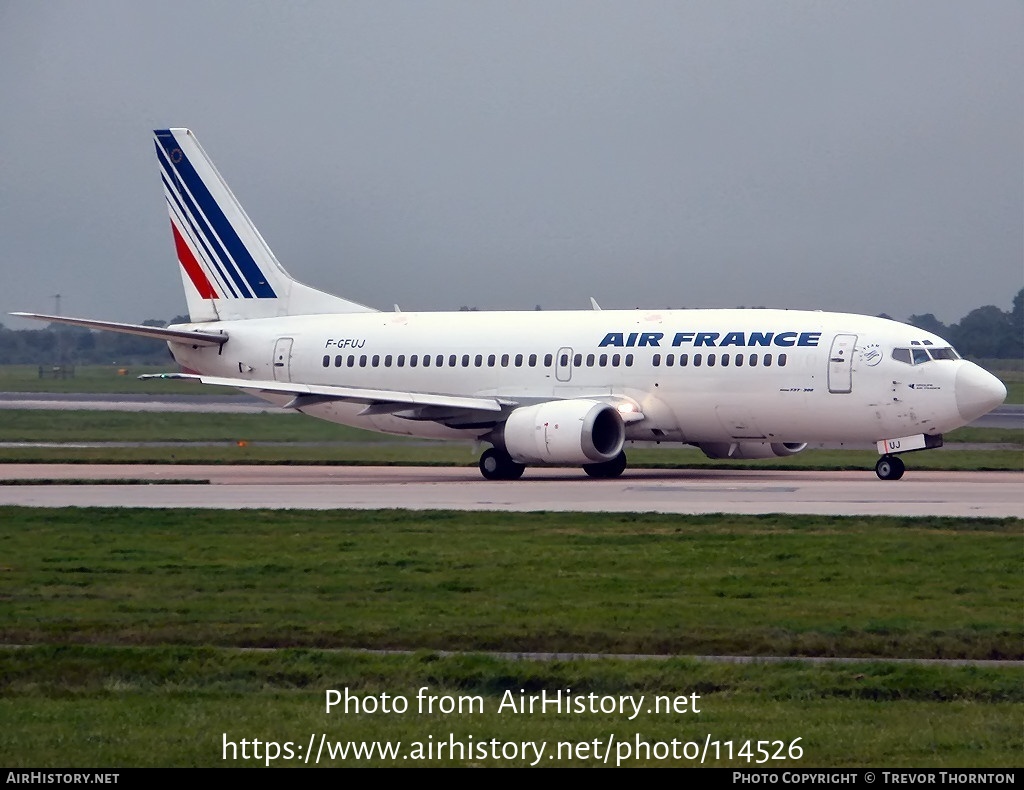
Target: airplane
[566, 388]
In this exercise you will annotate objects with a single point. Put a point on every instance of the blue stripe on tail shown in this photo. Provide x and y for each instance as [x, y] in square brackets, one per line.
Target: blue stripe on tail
[176, 162]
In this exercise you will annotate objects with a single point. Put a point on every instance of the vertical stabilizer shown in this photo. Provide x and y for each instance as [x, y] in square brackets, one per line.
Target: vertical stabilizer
[228, 270]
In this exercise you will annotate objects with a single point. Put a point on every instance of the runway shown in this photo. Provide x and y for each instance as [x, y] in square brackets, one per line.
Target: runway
[919, 493]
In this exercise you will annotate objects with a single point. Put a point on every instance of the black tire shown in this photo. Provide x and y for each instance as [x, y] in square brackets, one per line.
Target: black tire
[496, 464]
[607, 469]
[889, 467]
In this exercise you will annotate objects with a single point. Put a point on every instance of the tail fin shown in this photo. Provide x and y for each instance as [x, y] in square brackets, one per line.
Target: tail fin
[228, 270]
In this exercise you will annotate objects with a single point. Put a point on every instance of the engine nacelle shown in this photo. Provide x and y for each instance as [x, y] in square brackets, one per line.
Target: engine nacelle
[564, 432]
[751, 450]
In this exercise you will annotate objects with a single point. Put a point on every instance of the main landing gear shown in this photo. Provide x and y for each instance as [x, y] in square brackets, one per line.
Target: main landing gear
[496, 464]
[606, 469]
[889, 467]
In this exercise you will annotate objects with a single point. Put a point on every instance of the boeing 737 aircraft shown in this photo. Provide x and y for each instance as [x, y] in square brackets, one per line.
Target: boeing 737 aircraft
[565, 387]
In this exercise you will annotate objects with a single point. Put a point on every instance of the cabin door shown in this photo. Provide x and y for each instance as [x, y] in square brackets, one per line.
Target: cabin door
[283, 359]
[840, 364]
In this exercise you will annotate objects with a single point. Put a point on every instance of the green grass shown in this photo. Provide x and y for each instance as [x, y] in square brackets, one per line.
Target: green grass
[103, 379]
[32, 425]
[297, 439]
[776, 585]
[136, 622]
[175, 706]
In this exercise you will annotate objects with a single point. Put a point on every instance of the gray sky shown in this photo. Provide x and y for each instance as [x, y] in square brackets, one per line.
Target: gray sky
[864, 156]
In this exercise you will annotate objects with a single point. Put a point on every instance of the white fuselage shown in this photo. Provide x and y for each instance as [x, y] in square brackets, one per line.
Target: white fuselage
[733, 376]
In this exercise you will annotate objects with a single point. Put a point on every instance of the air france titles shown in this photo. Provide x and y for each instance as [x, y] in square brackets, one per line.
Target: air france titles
[709, 339]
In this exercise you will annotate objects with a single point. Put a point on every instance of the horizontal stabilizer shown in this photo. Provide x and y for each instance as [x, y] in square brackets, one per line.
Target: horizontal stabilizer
[191, 336]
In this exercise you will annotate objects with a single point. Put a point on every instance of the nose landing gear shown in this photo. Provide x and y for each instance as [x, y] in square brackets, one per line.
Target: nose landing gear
[889, 467]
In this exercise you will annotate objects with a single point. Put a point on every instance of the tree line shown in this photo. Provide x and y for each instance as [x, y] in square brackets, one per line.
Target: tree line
[984, 333]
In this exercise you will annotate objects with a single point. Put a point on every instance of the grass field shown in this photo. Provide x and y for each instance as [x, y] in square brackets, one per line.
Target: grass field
[175, 706]
[773, 585]
[102, 379]
[135, 620]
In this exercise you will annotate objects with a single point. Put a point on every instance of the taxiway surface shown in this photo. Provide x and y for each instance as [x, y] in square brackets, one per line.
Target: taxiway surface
[920, 493]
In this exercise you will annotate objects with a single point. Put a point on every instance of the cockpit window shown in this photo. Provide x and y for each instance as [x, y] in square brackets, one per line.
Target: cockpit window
[918, 355]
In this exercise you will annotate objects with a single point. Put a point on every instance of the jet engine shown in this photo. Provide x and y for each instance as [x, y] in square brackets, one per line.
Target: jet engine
[751, 450]
[564, 432]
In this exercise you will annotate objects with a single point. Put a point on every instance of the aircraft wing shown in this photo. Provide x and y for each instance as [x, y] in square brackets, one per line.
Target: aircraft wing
[377, 401]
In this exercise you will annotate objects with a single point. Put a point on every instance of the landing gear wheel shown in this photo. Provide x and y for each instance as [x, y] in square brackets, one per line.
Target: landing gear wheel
[607, 469]
[498, 465]
[889, 467]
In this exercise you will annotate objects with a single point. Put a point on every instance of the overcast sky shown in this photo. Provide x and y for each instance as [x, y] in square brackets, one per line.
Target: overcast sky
[864, 157]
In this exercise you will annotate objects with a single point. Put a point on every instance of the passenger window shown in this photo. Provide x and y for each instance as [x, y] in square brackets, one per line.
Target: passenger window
[656, 360]
[711, 360]
[452, 360]
[577, 360]
[725, 360]
[739, 360]
[602, 360]
[426, 360]
[465, 360]
[479, 360]
[767, 360]
[782, 360]
[387, 360]
[401, 360]
[327, 361]
[490, 360]
[684, 360]
[548, 359]
[615, 360]
[670, 360]
[590, 360]
[533, 360]
[362, 361]
[629, 360]
[439, 362]
[519, 360]
[696, 360]
[504, 360]
[753, 360]
[337, 361]
[375, 362]
[351, 360]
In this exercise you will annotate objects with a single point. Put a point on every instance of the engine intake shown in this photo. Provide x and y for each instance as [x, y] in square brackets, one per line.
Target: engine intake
[564, 432]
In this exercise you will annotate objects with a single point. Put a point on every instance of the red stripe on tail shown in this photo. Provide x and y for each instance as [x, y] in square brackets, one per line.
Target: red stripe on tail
[191, 266]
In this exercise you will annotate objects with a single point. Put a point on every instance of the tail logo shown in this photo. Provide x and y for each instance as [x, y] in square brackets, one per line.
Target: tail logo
[210, 250]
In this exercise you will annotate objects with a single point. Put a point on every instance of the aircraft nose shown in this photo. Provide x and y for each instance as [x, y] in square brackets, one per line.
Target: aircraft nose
[977, 391]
